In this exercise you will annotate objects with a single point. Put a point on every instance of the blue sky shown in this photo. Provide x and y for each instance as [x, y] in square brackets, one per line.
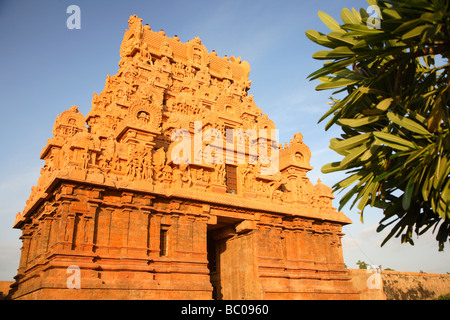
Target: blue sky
[46, 68]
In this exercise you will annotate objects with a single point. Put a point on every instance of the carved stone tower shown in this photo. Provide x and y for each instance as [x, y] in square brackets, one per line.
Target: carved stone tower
[162, 192]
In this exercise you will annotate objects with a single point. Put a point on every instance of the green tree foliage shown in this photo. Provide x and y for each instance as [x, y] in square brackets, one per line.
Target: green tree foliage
[361, 264]
[391, 76]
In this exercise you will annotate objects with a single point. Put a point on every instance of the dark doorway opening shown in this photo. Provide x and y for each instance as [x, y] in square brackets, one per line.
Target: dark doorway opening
[212, 266]
[217, 236]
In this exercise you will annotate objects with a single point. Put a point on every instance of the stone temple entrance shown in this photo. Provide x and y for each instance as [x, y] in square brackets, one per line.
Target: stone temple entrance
[231, 261]
[116, 200]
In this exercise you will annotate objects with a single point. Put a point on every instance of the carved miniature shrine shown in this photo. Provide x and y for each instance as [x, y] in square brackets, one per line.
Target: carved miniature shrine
[113, 201]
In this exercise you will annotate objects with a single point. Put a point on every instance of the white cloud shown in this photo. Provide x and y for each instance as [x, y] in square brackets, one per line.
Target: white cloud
[350, 243]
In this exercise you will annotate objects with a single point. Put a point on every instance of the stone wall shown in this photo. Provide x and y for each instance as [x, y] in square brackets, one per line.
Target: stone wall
[395, 285]
[4, 288]
[360, 279]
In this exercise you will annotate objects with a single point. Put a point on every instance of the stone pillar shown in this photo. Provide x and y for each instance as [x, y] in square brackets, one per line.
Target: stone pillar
[53, 231]
[199, 234]
[65, 227]
[188, 240]
[25, 251]
[104, 229]
[174, 238]
[33, 244]
[146, 216]
[45, 234]
[125, 224]
[305, 242]
[290, 245]
[154, 231]
[89, 227]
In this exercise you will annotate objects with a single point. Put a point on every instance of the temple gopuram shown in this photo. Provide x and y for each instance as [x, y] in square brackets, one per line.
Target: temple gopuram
[124, 208]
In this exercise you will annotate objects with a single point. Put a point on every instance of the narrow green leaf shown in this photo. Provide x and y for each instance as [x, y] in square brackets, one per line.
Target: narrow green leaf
[363, 13]
[332, 167]
[392, 209]
[436, 116]
[348, 17]
[406, 199]
[321, 39]
[407, 25]
[348, 181]
[446, 197]
[346, 198]
[394, 141]
[442, 172]
[417, 117]
[354, 123]
[345, 73]
[330, 22]
[330, 111]
[432, 16]
[391, 13]
[417, 31]
[337, 53]
[341, 37]
[424, 4]
[420, 153]
[430, 33]
[409, 124]
[371, 112]
[368, 190]
[362, 29]
[353, 154]
[331, 67]
[391, 234]
[335, 83]
[370, 152]
[352, 142]
[428, 183]
[438, 169]
[372, 2]
[363, 185]
[443, 203]
[356, 14]
[384, 104]
[368, 90]
[386, 174]
[381, 226]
